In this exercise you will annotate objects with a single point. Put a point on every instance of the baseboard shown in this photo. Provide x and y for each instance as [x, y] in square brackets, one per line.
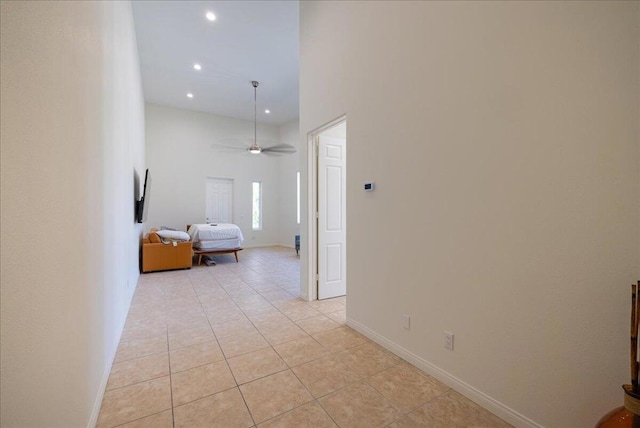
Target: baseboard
[270, 245]
[93, 420]
[259, 245]
[95, 412]
[494, 406]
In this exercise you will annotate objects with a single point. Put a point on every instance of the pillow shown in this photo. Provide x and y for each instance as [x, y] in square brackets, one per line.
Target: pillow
[173, 234]
[154, 238]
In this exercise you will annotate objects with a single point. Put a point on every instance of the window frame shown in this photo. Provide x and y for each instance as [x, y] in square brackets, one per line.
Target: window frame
[253, 205]
[298, 197]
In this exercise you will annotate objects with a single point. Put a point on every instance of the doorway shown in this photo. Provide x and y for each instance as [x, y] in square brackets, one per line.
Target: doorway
[328, 199]
[219, 202]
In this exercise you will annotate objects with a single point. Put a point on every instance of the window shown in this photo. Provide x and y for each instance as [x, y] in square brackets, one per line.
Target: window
[256, 222]
[298, 200]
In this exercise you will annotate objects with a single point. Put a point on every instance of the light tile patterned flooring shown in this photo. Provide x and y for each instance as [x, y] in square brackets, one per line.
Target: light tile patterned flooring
[232, 345]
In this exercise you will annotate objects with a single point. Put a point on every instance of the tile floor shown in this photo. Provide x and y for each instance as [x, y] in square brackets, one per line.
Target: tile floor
[231, 345]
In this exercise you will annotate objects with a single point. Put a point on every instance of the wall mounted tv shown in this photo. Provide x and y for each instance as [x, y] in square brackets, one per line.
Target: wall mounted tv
[142, 206]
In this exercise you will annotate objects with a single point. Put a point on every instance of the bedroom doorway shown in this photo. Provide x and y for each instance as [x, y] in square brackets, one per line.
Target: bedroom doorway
[219, 202]
[329, 258]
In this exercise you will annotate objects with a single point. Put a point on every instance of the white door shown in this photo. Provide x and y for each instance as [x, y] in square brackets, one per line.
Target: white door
[332, 212]
[219, 202]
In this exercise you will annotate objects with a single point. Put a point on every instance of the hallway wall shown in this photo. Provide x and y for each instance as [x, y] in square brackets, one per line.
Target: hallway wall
[504, 142]
[72, 154]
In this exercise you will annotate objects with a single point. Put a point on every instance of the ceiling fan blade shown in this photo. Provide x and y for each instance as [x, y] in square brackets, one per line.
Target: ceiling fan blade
[227, 147]
[221, 148]
[231, 145]
[281, 149]
[233, 142]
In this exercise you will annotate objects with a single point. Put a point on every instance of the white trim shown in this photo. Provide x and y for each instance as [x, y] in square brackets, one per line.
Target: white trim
[93, 420]
[286, 246]
[95, 413]
[311, 244]
[267, 245]
[311, 289]
[253, 201]
[298, 199]
[494, 406]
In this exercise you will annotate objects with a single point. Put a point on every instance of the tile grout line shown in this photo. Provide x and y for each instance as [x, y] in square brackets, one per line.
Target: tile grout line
[173, 416]
[137, 358]
[327, 412]
[315, 399]
[270, 345]
[225, 357]
[137, 419]
[277, 286]
[174, 287]
[136, 383]
[247, 317]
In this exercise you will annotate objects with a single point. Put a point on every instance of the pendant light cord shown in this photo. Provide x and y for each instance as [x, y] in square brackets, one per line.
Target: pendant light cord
[255, 114]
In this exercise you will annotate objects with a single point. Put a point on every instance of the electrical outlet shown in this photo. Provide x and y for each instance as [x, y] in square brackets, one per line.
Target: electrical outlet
[406, 322]
[448, 340]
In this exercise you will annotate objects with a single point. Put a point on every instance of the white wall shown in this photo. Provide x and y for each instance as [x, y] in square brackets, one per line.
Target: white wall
[503, 139]
[72, 136]
[180, 157]
[289, 165]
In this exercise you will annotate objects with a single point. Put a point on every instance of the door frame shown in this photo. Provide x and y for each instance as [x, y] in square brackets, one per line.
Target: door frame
[312, 204]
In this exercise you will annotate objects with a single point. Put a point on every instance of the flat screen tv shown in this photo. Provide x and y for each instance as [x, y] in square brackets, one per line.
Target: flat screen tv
[142, 208]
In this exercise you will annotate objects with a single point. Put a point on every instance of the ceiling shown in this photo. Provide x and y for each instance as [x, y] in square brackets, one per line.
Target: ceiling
[249, 40]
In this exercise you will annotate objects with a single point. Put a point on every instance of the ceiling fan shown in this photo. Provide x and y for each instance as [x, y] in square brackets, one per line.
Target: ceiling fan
[255, 148]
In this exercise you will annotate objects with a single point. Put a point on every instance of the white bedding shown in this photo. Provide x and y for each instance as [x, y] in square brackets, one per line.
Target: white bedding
[221, 231]
[218, 244]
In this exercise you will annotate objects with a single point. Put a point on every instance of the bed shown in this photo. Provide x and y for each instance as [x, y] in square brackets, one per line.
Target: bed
[221, 238]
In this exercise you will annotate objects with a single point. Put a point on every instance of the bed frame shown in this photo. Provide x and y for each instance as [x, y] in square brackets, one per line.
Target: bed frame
[201, 253]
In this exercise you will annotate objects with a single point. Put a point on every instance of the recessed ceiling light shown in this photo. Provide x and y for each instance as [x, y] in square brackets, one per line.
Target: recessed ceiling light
[189, 95]
[267, 111]
[197, 67]
[210, 16]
